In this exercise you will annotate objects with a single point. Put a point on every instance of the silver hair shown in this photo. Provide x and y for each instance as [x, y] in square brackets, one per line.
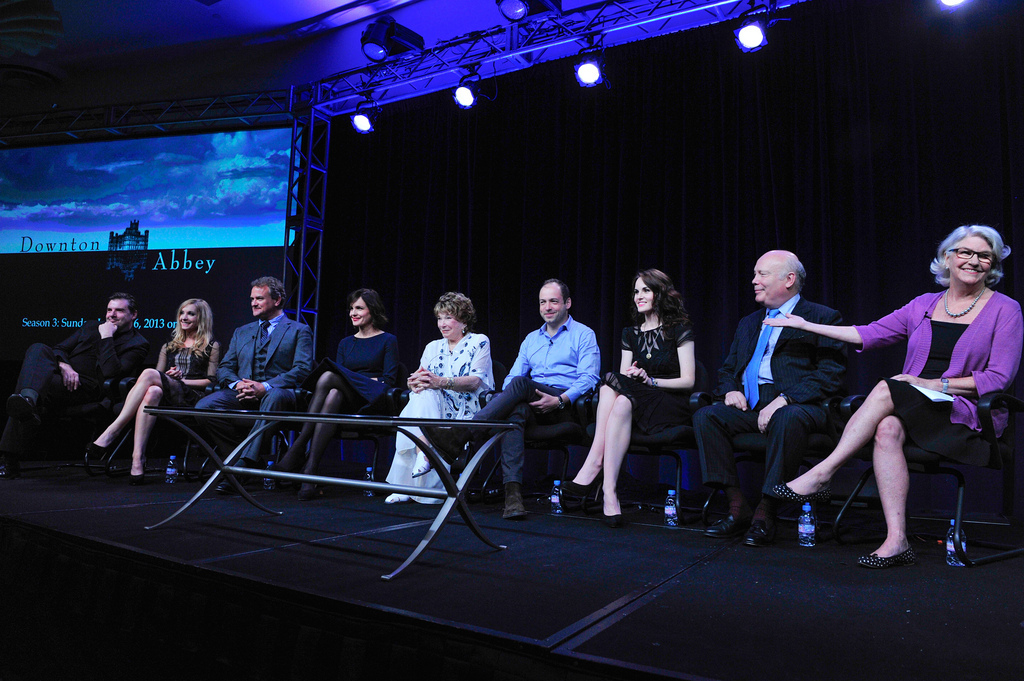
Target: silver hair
[1000, 251]
[794, 265]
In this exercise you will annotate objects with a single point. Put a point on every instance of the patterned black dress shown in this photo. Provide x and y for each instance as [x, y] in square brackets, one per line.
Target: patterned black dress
[176, 392]
[656, 351]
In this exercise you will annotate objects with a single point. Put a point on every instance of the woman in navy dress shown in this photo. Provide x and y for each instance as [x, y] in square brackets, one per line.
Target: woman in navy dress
[356, 383]
[650, 392]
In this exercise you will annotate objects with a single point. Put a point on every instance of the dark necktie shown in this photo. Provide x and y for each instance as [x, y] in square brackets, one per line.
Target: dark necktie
[750, 388]
[264, 325]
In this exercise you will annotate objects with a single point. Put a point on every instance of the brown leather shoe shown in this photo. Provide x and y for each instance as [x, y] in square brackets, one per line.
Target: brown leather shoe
[514, 509]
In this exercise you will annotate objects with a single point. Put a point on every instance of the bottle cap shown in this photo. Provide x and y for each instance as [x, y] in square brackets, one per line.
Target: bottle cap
[558, 482]
[807, 506]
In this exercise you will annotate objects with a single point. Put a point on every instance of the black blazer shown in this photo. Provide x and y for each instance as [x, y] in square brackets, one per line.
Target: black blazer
[97, 359]
[807, 367]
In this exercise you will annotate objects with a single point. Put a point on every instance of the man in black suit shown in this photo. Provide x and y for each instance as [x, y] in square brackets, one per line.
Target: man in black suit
[71, 372]
[265, 362]
[774, 383]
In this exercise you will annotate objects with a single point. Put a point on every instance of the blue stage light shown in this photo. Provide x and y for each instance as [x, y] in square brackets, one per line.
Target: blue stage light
[589, 72]
[467, 92]
[513, 10]
[362, 123]
[750, 36]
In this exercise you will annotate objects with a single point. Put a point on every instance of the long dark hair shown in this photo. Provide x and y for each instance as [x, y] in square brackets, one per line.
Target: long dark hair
[373, 303]
[667, 300]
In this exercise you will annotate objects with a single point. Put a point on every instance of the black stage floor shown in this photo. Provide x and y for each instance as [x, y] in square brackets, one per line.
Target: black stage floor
[228, 592]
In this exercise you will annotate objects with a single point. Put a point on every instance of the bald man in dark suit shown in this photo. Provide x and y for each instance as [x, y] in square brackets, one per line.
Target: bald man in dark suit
[772, 383]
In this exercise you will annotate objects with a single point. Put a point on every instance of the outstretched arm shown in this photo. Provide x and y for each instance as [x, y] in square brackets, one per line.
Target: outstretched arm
[846, 334]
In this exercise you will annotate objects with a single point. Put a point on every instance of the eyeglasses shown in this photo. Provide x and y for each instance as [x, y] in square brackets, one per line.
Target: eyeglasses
[967, 254]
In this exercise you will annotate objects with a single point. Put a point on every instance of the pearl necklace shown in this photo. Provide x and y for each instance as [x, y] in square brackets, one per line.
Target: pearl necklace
[970, 307]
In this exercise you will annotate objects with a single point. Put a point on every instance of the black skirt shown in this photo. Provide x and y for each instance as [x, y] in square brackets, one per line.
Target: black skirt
[928, 426]
[654, 409]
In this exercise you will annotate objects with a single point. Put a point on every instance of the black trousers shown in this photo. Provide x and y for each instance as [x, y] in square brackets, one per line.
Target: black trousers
[787, 434]
[40, 372]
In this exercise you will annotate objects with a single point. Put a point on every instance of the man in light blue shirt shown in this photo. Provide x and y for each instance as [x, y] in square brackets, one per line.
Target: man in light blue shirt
[556, 364]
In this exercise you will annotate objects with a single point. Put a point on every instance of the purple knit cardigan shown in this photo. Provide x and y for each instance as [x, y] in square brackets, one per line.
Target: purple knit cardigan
[989, 350]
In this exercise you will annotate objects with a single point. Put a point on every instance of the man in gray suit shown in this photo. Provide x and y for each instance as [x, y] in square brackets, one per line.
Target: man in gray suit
[265, 362]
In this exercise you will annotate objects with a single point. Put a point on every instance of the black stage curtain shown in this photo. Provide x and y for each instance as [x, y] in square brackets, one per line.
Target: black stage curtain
[859, 137]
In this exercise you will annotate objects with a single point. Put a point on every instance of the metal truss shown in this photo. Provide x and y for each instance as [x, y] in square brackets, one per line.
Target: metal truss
[304, 226]
[270, 109]
[512, 47]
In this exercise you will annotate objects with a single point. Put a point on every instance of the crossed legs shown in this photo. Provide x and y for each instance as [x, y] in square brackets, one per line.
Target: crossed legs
[611, 442]
[147, 391]
[333, 393]
[874, 420]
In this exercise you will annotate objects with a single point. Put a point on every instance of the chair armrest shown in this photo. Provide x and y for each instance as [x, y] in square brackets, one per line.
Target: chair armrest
[700, 399]
[992, 401]
[486, 396]
[850, 404]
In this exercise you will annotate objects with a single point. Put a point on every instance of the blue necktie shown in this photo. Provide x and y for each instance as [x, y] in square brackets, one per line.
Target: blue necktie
[750, 375]
[264, 325]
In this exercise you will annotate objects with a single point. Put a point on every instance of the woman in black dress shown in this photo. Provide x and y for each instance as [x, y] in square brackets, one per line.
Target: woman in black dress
[651, 390]
[187, 364]
[366, 366]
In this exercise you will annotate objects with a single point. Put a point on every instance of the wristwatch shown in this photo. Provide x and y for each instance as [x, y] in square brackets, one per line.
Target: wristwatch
[945, 385]
[561, 403]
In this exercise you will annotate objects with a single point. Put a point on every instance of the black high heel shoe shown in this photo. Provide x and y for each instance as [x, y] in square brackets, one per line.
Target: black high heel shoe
[613, 521]
[93, 452]
[136, 480]
[576, 490]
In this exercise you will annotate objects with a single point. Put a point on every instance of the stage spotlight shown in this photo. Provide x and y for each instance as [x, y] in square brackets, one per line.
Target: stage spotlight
[362, 123]
[589, 71]
[950, 5]
[750, 36]
[467, 92]
[364, 116]
[385, 37]
[513, 10]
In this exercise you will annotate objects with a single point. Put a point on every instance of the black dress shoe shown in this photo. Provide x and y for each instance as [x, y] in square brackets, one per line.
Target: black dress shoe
[10, 468]
[761, 533]
[225, 487]
[729, 526]
[22, 408]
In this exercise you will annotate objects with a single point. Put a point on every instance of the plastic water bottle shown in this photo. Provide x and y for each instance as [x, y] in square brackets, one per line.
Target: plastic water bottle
[269, 483]
[951, 558]
[369, 478]
[805, 526]
[556, 498]
[671, 513]
[172, 470]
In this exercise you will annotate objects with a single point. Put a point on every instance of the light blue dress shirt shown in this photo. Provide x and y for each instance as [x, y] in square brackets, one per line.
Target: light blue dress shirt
[764, 373]
[570, 360]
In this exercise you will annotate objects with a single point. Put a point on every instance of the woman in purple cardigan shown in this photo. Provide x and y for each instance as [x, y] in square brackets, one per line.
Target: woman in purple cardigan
[952, 358]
